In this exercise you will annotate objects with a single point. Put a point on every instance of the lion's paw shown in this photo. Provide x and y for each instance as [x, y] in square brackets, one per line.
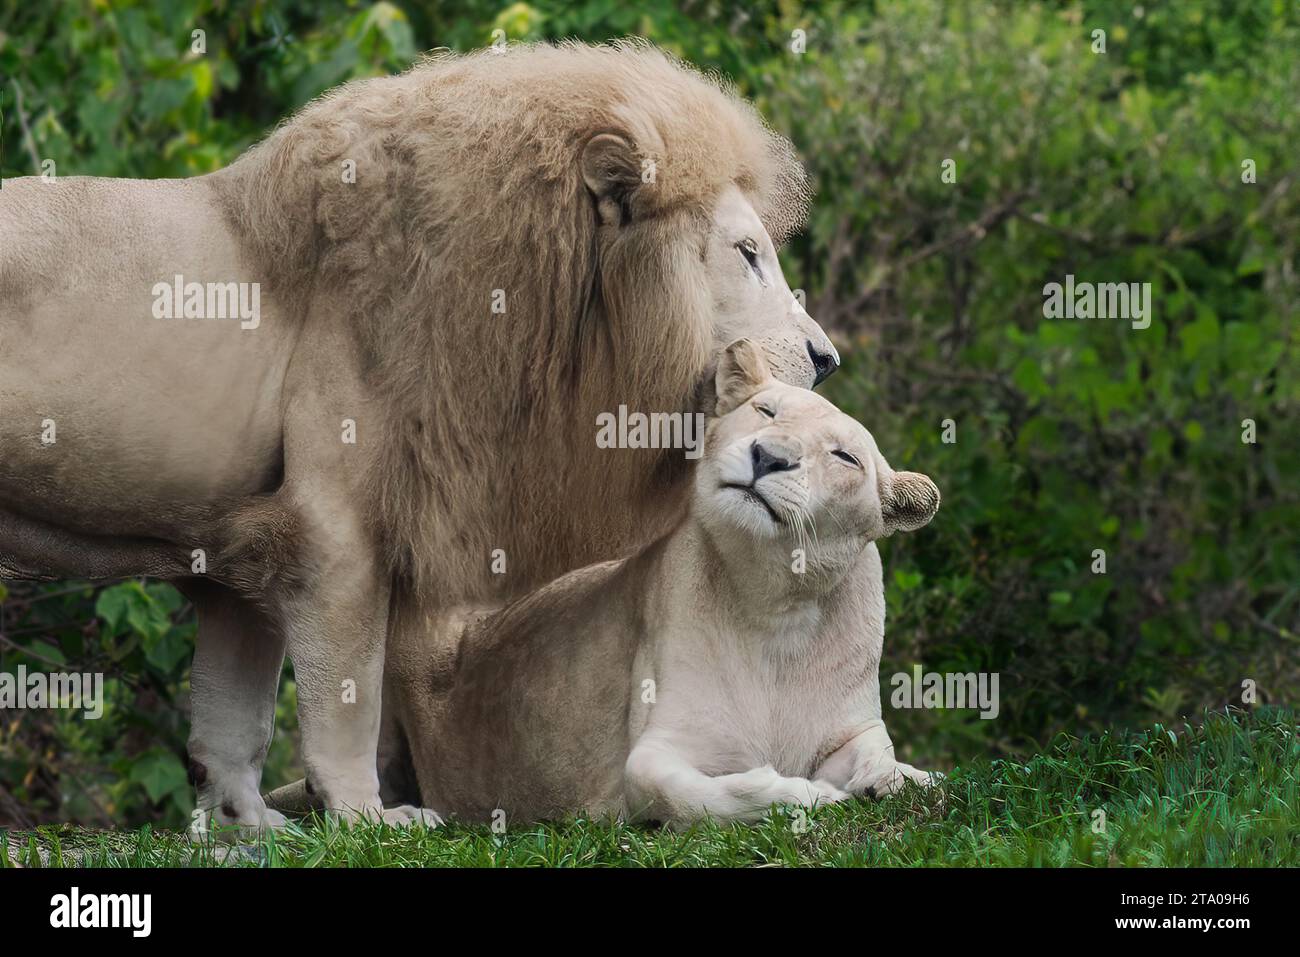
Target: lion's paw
[272, 819]
[231, 823]
[406, 815]
[403, 815]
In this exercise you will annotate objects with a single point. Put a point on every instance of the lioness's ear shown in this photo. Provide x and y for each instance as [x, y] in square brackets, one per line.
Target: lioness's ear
[611, 170]
[742, 371]
[910, 502]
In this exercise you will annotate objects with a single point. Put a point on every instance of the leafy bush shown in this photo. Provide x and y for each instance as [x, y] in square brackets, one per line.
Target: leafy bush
[1070, 435]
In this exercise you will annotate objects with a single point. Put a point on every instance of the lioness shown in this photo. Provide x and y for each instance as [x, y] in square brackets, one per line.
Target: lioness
[729, 665]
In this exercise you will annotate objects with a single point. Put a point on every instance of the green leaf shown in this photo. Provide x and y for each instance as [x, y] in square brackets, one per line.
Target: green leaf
[111, 606]
[129, 606]
[160, 773]
[46, 650]
[907, 581]
[1251, 263]
[1199, 335]
[167, 651]
[1028, 377]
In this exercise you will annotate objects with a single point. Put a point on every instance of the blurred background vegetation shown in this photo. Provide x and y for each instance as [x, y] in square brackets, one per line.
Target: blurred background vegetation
[1071, 435]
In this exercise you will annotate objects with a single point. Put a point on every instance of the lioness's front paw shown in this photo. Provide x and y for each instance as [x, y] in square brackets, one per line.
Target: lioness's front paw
[811, 793]
[828, 793]
[923, 778]
[889, 780]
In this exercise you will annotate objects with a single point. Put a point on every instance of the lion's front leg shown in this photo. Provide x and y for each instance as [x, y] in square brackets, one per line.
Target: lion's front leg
[335, 604]
[335, 620]
[336, 636]
[866, 765]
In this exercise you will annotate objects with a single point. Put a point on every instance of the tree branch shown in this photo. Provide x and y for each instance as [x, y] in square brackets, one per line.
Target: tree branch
[22, 123]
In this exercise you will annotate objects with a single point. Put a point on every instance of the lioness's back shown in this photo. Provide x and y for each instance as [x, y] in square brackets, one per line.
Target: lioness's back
[530, 716]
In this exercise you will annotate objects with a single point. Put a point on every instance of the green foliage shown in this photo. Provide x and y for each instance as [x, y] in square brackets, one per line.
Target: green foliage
[1072, 435]
[127, 764]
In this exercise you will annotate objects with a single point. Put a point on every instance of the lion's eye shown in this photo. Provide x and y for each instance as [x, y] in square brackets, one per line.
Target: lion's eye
[749, 249]
[765, 410]
[847, 457]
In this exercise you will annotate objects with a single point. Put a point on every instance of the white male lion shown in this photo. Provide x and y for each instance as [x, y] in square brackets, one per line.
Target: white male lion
[730, 665]
[445, 277]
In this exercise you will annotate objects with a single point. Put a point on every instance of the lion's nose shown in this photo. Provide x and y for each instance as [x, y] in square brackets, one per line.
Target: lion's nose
[765, 462]
[824, 363]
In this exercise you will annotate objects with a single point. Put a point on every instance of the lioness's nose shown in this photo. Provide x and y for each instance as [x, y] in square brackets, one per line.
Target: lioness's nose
[765, 462]
[824, 363]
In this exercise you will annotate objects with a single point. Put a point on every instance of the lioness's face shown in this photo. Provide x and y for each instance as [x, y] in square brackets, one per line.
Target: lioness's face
[752, 299]
[787, 460]
[782, 463]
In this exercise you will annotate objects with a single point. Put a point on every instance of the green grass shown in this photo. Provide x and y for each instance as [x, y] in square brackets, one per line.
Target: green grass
[1225, 792]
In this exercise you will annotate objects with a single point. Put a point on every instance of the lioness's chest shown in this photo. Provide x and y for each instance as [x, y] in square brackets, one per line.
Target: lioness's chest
[730, 716]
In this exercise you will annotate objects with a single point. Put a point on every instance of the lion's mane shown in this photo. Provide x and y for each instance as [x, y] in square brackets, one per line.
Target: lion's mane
[467, 180]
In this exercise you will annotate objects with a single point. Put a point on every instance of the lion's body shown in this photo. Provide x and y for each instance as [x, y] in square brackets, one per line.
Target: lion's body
[155, 421]
[382, 226]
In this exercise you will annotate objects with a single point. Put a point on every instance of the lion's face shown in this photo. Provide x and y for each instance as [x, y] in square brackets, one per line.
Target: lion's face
[751, 298]
[731, 273]
[782, 464]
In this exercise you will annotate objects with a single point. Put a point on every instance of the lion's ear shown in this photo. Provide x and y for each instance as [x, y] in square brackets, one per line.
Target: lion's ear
[611, 170]
[742, 371]
[909, 502]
